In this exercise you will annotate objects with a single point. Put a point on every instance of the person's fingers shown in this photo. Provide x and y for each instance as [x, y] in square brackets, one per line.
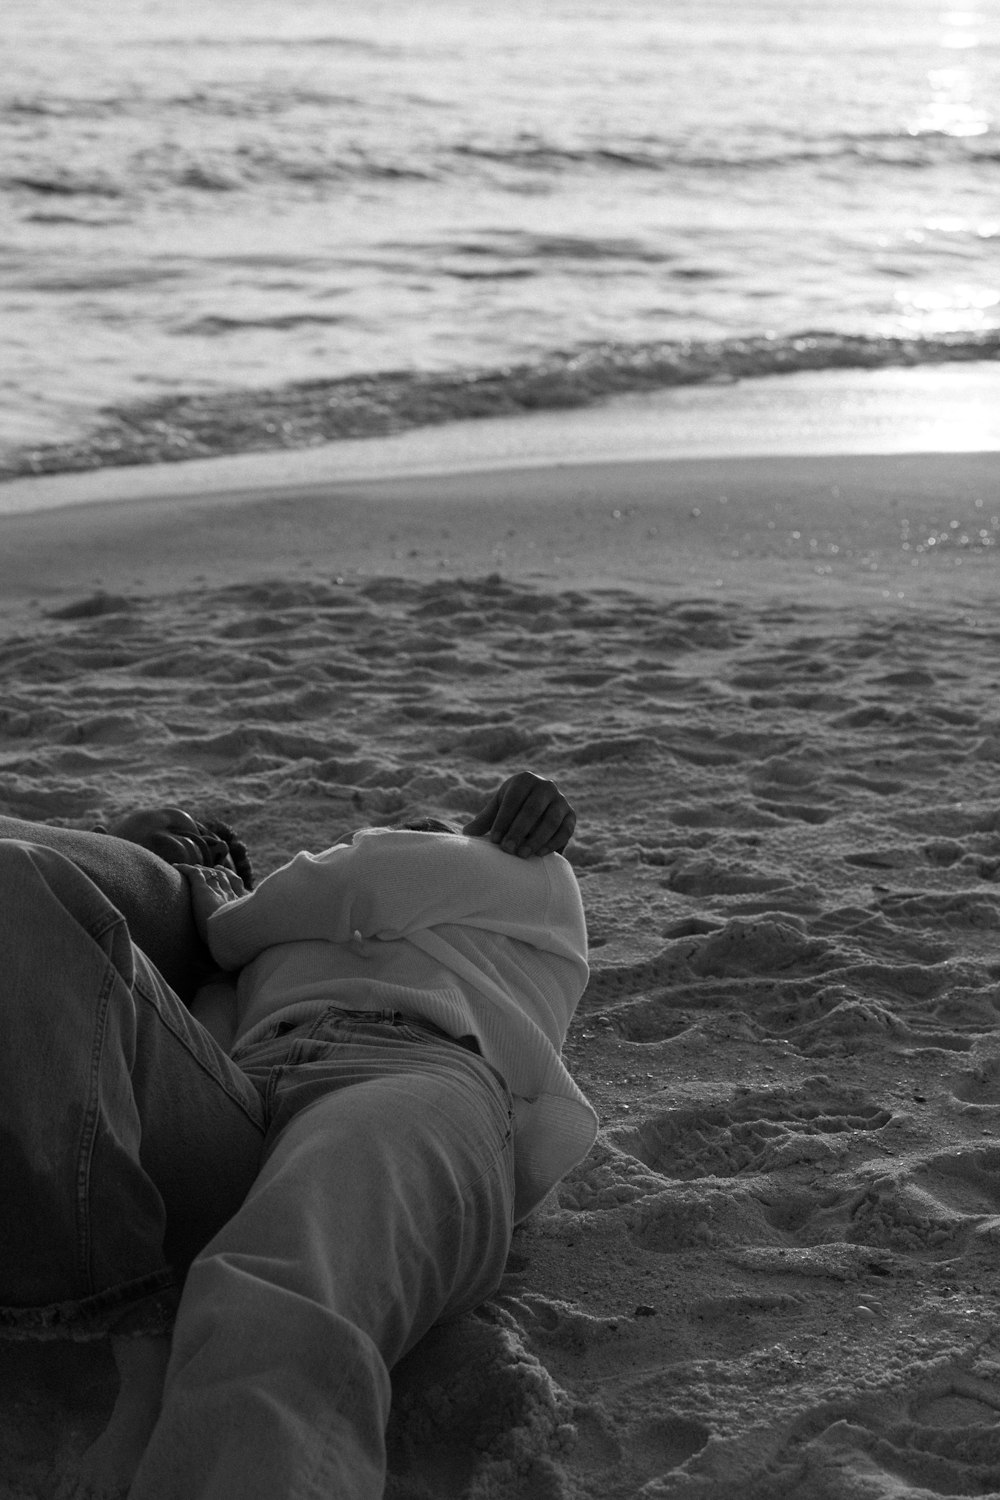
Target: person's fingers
[504, 805]
[191, 848]
[556, 842]
[168, 820]
[176, 817]
[178, 848]
[484, 818]
[178, 837]
[535, 818]
[539, 831]
[211, 850]
[214, 877]
[550, 836]
[172, 834]
[526, 815]
[520, 802]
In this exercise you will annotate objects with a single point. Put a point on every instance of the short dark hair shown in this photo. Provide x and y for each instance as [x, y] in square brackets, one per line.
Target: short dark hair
[429, 825]
[238, 852]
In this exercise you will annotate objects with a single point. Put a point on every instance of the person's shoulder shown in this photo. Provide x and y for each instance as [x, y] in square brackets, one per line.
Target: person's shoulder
[461, 849]
[478, 857]
[414, 847]
[386, 839]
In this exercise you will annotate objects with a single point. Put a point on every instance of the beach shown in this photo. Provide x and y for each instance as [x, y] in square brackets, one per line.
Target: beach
[765, 669]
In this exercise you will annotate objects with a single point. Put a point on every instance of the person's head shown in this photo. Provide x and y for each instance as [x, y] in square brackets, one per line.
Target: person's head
[412, 825]
[429, 825]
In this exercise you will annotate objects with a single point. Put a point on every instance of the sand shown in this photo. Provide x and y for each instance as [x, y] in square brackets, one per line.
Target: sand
[770, 687]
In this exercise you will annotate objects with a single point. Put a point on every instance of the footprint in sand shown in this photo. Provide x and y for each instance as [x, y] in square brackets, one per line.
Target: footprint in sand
[748, 946]
[965, 1182]
[647, 1021]
[618, 747]
[491, 743]
[709, 964]
[791, 775]
[730, 1325]
[939, 1440]
[926, 1208]
[664, 1442]
[949, 909]
[703, 1215]
[705, 875]
[977, 1090]
[616, 1452]
[606, 1179]
[750, 1134]
[833, 1019]
[898, 1212]
[722, 813]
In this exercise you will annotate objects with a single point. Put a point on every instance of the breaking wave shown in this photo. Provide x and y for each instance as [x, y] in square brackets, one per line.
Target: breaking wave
[306, 413]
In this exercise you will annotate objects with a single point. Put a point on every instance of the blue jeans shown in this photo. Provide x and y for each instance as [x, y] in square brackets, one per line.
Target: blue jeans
[330, 1192]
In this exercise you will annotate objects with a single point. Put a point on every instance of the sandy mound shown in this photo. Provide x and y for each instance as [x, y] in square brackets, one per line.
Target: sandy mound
[777, 1273]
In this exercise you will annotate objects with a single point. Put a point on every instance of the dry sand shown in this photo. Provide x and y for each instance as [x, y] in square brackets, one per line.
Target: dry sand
[770, 688]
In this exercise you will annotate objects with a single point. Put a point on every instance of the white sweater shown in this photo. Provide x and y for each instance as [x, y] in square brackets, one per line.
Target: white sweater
[440, 926]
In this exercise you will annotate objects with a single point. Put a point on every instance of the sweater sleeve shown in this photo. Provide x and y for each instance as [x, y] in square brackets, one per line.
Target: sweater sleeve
[390, 883]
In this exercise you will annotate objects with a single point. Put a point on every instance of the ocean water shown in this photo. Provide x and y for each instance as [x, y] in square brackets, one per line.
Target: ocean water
[229, 225]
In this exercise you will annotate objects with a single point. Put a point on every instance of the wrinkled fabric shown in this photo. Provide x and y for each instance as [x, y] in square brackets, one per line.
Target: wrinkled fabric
[442, 926]
[331, 1192]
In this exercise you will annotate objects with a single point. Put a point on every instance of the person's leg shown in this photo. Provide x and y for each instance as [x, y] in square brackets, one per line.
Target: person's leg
[382, 1207]
[126, 1136]
[151, 895]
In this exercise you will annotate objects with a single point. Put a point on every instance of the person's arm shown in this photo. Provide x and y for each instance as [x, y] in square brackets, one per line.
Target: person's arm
[382, 889]
[526, 815]
[389, 883]
[151, 895]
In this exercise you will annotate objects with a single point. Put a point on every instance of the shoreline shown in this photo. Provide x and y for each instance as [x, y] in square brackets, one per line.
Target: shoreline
[932, 408]
[825, 487]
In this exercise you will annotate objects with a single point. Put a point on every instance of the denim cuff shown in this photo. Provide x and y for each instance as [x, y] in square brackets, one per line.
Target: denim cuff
[147, 1306]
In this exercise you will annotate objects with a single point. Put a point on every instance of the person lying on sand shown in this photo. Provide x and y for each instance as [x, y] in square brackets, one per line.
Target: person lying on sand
[309, 1168]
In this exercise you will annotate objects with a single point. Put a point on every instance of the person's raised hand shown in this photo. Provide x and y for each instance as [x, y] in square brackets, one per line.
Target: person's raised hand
[211, 887]
[526, 815]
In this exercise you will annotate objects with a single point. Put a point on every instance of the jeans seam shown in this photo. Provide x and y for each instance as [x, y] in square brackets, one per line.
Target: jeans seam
[88, 1136]
[504, 1150]
[107, 922]
[274, 1077]
[506, 1147]
[315, 1483]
